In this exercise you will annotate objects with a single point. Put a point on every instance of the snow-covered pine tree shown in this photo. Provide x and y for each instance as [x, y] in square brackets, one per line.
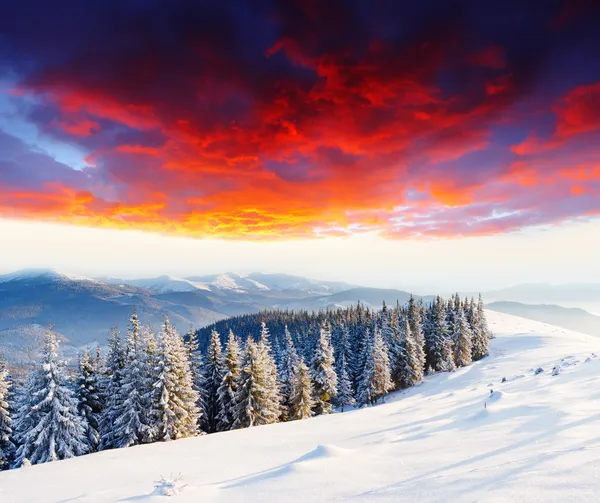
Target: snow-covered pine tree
[110, 385]
[300, 401]
[214, 371]
[176, 410]
[6, 445]
[409, 369]
[253, 403]
[344, 348]
[375, 381]
[345, 393]
[462, 339]
[131, 418]
[288, 365]
[197, 370]
[440, 349]
[227, 389]
[88, 397]
[481, 332]
[415, 321]
[273, 387]
[47, 425]
[323, 374]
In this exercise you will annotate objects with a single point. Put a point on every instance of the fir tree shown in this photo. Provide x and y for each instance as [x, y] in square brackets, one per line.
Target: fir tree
[323, 373]
[214, 371]
[345, 394]
[198, 381]
[6, 445]
[273, 387]
[48, 426]
[253, 403]
[177, 412]
[228, 387]
[409, 370]
[415, 322]
[375, 381]
[440, 345]
[131, 423]
[110, 385]
[300, 402]
[480, 332]
[289, 363]
[89, 398]
[462, 339]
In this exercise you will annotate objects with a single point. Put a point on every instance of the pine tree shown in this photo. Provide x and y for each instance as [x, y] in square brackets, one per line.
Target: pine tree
[48, 426]
[228, 387]
[440, 348]
[409, 370]
[253, 403]
[323, 373]
[416, 329]
[131, 418]
[289, 363]
[345, 394]
[6, 445]
[110, 385]
[300, 401]
[89, 399]
[176, 412]
[375, 380]
[480, 334]
[214, 371]
[273, 387]
[462, 339]
[198, 381]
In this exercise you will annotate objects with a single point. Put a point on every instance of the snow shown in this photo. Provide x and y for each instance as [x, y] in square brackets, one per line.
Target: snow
[161, 284]
[226, 282]
[534, 438]
[51, 274]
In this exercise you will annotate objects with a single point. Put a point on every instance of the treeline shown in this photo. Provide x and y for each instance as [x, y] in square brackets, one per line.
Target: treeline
[284, 366]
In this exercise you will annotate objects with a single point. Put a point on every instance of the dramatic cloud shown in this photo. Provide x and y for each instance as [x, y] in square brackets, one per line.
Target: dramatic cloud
[302, 118]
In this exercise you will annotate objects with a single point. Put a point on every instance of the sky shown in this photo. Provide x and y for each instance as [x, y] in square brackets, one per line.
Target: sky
[335, 138]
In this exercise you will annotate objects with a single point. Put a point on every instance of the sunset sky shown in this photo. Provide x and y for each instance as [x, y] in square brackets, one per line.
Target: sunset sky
[286, 134]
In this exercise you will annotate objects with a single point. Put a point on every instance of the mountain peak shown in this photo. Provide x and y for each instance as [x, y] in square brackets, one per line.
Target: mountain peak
[45, 273]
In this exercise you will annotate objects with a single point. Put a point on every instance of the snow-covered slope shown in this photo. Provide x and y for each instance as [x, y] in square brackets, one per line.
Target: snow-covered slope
[160, 284]
[536, 438]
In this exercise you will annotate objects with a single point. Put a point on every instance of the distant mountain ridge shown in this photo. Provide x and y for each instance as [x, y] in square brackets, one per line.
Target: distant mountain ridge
[83, 309]
[582, 295]
[571, 318]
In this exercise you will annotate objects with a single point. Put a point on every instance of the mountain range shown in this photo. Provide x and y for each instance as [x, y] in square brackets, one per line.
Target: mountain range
[83, 309]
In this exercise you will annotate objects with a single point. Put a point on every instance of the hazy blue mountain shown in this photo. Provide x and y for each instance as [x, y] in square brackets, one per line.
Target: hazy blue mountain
[584, 295]
[566, 317]
[83, 309]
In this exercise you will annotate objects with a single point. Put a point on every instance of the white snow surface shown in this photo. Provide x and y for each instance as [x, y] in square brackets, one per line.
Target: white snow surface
[458, 437]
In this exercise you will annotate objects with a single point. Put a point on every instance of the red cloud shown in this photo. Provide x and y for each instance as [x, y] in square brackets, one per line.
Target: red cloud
[317, 136]
[579, 111]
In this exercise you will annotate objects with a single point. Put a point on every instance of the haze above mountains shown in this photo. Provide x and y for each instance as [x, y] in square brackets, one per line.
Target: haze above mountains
[83, 309]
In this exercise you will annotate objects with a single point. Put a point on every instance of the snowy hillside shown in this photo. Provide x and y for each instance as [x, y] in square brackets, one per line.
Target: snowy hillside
[536, 438]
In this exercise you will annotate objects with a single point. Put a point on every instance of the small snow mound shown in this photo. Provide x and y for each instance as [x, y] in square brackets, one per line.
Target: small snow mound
[323, 451]
[169, 486]
[495, 396]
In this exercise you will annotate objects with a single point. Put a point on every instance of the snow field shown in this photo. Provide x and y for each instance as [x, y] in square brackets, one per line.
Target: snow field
[464, 436]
